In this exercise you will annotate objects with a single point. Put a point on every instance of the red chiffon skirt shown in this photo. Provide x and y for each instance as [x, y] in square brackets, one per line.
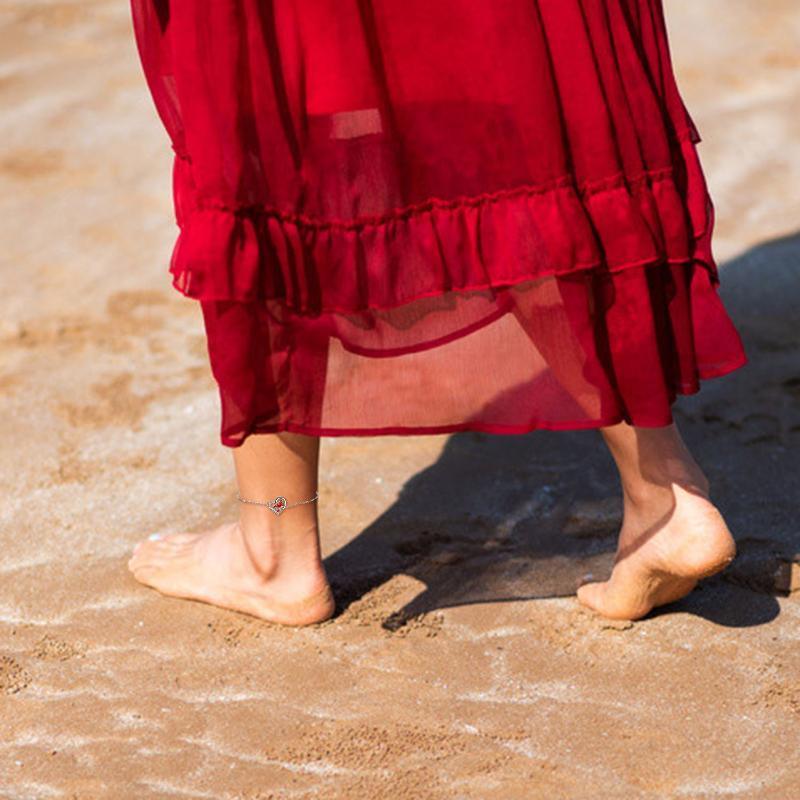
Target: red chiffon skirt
[409, 217]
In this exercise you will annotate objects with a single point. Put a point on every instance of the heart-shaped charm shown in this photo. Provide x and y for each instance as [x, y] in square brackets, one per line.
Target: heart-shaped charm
[278, 505]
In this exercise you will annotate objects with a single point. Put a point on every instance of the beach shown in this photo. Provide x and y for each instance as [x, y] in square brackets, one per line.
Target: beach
[459, 663]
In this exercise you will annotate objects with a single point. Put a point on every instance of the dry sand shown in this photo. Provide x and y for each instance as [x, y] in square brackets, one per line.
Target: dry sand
[459, 664]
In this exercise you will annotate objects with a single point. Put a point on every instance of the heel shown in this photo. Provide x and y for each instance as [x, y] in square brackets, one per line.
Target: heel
[713, 570]
[302, 612]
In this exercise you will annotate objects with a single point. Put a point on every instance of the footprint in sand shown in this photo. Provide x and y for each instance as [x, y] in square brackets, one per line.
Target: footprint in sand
[13, 676]
[51, 648]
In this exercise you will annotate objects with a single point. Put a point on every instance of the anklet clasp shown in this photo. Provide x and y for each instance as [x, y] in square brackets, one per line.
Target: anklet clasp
[278, 505]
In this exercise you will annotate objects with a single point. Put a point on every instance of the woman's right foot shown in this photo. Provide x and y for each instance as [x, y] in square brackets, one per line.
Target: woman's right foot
[666, 546]
[242, 571]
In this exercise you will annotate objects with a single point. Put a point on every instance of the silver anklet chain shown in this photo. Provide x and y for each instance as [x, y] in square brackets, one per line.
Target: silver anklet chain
[278, 505]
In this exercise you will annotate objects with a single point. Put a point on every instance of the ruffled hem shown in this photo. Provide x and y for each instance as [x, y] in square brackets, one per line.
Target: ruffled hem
[575, 352]
[313, 266]
[236, 437]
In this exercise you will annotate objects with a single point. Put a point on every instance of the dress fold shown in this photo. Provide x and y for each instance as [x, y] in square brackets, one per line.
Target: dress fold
[410, 217]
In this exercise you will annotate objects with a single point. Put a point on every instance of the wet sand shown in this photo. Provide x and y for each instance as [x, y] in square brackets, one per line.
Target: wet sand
[459, 664]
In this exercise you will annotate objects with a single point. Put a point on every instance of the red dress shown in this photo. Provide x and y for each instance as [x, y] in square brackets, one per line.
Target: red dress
[423, 216]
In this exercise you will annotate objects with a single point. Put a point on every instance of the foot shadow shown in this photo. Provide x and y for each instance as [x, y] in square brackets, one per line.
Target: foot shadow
[502, 518]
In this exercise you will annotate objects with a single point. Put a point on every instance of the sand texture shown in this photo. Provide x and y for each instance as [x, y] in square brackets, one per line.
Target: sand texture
[459, 665]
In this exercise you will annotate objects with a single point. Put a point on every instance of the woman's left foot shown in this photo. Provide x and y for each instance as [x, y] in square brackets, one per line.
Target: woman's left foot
[276, 576]
[665, 547]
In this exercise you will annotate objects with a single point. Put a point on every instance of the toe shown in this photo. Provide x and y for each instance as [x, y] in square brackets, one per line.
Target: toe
[145, 575]
[147, 552]
[157, 555]
[136, 557]
[143, 546]
[590, 594]
[180, 538]
[154, 539]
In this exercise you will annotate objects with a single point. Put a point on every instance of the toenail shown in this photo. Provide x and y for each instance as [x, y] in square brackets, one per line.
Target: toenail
[154, 537]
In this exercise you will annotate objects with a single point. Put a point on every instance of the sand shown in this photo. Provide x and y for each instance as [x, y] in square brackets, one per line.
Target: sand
[459, 664]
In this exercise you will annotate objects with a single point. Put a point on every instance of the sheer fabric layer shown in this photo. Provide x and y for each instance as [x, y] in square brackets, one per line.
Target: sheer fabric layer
[406, 217]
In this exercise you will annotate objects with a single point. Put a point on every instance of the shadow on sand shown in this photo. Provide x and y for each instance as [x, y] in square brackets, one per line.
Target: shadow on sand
[522, 517]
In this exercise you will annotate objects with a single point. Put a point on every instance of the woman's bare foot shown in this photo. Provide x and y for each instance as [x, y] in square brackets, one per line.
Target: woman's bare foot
[660, 558]
[265, 564]
[672, 535]
[229, 567]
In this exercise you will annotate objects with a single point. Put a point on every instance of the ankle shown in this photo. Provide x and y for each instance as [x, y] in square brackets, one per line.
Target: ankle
[640, 492]
[651, 461]
[281, 546]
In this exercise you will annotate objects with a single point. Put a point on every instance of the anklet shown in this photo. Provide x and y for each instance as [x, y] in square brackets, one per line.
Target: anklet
[278, 505]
